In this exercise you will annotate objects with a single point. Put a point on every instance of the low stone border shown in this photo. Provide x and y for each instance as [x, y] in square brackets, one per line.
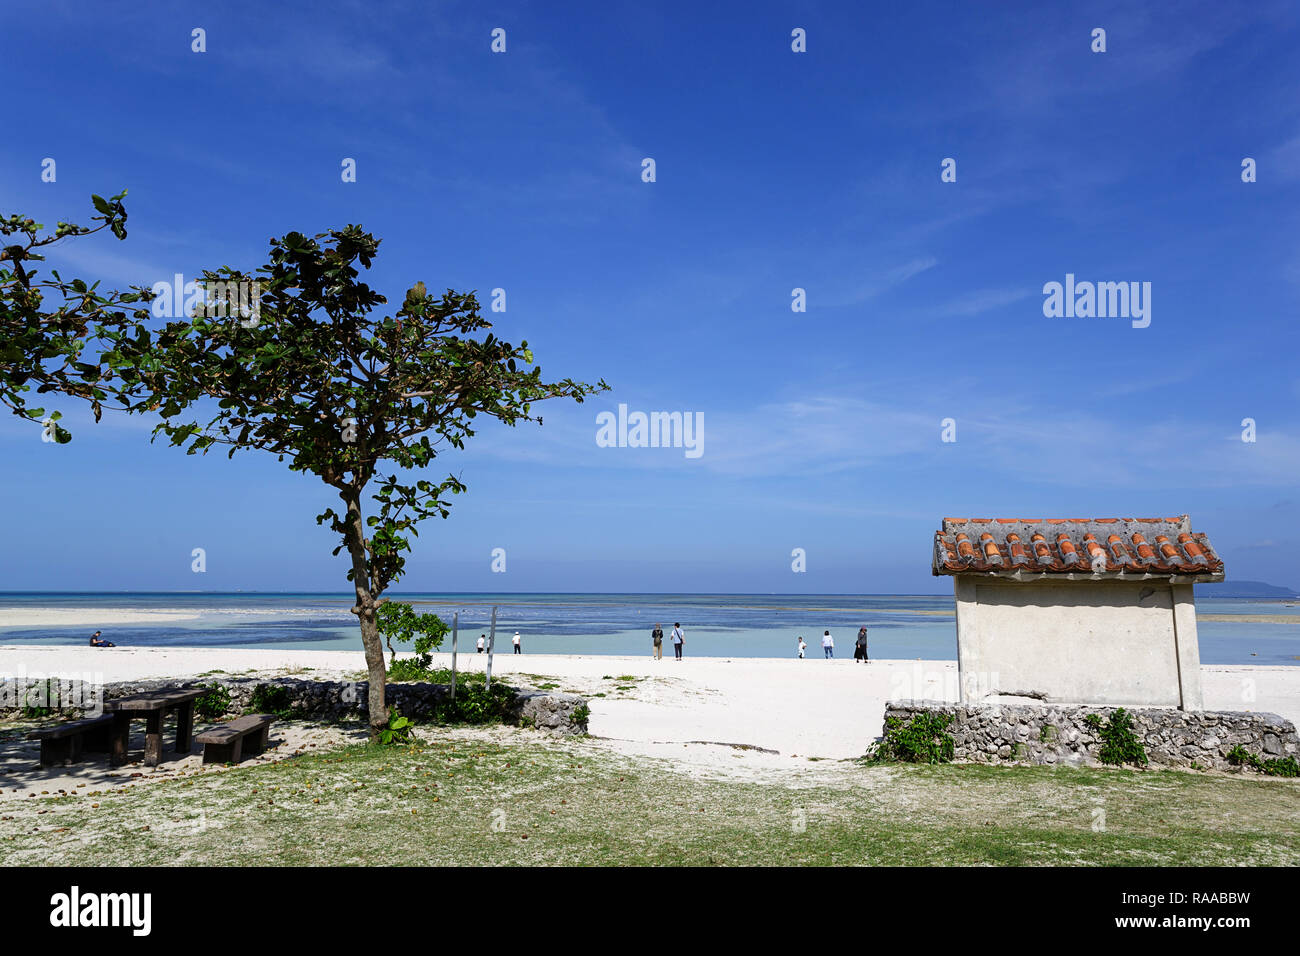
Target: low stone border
[332, 701]
[1045, 734]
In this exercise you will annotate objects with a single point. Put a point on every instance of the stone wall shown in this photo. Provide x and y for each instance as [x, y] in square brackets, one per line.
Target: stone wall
[1048, 734]
[332, 701]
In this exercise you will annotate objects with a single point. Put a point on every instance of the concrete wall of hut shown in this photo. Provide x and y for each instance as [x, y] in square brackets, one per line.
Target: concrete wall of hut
[1078, 641]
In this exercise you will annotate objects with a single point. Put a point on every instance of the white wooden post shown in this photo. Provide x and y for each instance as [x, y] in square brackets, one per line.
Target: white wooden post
[492, 636]
[455, 621]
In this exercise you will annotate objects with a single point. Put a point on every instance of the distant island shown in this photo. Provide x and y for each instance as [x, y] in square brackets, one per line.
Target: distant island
[1243, 589]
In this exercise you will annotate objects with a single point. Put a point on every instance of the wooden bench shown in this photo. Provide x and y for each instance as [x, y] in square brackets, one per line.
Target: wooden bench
[65, 743]
[230, 743]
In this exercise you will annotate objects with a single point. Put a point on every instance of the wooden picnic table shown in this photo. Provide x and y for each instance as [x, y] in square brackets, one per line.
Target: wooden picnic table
[153, 707]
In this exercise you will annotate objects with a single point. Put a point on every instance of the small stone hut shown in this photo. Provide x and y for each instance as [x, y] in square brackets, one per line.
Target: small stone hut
[1077, 610]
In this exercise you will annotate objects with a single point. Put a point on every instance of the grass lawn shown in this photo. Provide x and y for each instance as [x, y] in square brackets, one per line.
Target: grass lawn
[467, 797]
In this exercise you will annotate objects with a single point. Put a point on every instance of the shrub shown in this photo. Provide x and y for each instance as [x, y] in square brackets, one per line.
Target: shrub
[410, 669]
[1282, 767]
[214, 704]
[1119, 745]
[399, 729]
[1271, 766]
[270, 699]
[474, 704]
[922, 739]
[581, 713]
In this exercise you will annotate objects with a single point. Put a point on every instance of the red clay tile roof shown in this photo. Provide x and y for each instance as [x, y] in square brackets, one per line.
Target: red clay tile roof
[1097, 547]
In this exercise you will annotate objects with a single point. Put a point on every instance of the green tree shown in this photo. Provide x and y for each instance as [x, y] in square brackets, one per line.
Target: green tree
[329, 386]
[47, 323]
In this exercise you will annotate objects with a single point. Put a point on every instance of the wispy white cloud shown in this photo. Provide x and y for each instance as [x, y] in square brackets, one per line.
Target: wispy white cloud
[1283, 162]
[873, 283]
[999, 440]
[114, 267]
[980, 301]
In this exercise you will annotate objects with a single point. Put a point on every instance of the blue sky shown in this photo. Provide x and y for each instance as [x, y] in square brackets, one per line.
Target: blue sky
[775, 170]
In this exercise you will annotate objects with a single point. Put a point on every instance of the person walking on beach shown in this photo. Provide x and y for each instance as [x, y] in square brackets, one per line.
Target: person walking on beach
[657, 638]
[518, 649]
[860, 648]
[482, 642]
[678, 640]
[802, 647]
[828, 644]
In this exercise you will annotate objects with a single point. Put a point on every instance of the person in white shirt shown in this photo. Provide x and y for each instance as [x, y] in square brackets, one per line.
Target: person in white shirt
[482, 642]
[678, 639]
[802, 647]
[828, 644]
[518, 649]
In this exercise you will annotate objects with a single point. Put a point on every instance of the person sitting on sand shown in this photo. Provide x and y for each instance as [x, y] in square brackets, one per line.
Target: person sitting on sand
[828, 644]
[657, 639]
[97, 641]
[802, 647]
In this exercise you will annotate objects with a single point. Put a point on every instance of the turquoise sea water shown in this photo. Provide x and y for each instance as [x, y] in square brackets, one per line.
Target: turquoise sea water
[716, 625]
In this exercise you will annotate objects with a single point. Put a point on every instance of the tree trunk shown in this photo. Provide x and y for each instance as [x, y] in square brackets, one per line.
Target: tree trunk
[378, 671]
[365, 612]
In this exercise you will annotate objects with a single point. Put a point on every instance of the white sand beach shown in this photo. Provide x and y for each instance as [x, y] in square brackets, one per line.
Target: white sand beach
[695, 710]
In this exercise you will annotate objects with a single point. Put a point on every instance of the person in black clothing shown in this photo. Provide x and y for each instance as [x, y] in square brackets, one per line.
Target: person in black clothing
[97, 641]
[860, 648]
